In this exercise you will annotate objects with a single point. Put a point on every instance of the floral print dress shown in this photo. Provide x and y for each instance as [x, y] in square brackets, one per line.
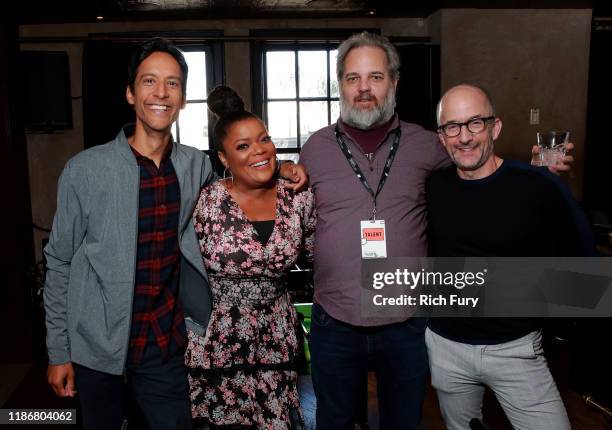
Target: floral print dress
[241, 371]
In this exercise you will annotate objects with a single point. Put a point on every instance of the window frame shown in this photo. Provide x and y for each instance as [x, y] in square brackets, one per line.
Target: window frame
[293, 40]
[296, 48]
[214, 76]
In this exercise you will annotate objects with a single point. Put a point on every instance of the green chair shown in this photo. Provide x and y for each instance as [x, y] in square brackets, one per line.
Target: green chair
[304, 311]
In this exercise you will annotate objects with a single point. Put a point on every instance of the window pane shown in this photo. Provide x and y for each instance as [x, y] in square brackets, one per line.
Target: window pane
[280, 74]
[196, 78]
[313, 116]
[193, 125]
[292, 157]
[332, 72]
[282, 124]
[312, 70]
[335, 111]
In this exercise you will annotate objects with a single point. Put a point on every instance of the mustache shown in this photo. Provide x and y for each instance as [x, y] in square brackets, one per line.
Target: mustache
[364, 119]
[365, 97]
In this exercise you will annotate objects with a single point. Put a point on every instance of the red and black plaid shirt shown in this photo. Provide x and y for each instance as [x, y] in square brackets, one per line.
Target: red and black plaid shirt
[157, 316]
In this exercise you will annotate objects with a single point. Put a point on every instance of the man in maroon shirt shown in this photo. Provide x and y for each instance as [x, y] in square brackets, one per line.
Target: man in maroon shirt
[394, 158]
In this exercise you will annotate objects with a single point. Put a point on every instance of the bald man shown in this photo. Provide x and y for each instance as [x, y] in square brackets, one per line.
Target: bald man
[507, 208]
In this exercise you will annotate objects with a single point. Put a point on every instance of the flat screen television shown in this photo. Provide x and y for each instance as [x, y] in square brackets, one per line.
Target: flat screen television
[46, 104]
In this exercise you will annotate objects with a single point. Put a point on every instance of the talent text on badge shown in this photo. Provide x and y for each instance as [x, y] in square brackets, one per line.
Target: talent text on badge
[374, 234]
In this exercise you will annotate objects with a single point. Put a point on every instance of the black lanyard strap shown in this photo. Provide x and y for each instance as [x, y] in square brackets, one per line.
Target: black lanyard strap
[349, 157]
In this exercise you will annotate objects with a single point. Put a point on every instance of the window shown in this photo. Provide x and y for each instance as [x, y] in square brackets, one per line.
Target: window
[295, 87]
[193, 125]
[300, 93]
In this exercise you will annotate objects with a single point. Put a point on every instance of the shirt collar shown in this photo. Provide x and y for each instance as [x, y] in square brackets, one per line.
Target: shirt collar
[128, 130]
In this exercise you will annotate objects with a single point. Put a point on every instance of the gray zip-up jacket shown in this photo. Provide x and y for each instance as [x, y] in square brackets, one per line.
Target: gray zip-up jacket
[91, 254]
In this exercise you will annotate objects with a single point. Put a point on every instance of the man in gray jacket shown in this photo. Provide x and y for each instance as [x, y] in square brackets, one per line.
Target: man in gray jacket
[121, 249]
[122, 241]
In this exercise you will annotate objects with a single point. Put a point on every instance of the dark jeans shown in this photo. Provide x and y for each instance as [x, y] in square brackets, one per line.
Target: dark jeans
[160, 389]
[341, 355]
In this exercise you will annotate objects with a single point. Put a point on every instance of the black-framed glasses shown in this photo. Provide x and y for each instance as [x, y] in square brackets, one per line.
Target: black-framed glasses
[474, 126]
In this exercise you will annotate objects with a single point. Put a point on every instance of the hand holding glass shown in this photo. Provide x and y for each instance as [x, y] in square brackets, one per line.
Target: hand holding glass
[552, 147]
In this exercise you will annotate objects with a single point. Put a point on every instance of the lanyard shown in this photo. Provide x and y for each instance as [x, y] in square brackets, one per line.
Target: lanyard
[383, 178]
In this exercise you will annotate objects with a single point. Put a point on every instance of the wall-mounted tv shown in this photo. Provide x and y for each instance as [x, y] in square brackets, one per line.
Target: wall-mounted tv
[46, 104]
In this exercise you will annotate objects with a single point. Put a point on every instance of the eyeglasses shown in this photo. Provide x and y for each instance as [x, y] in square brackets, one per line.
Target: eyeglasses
[474, 126]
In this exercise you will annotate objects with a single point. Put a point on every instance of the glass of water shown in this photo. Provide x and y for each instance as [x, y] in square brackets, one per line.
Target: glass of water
[552, 147]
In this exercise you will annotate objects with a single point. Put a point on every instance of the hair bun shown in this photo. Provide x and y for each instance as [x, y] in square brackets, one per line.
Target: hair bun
[223, 101]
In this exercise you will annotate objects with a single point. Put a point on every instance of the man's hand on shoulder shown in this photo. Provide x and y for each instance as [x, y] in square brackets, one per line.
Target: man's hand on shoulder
[295, 173]
[61, 379]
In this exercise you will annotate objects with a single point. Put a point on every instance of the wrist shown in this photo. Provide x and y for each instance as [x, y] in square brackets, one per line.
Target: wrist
[279, 163]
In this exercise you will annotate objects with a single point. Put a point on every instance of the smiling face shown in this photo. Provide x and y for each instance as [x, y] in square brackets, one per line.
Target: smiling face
[469, 151]
[249, 153]
[367, 95]
[157, 96]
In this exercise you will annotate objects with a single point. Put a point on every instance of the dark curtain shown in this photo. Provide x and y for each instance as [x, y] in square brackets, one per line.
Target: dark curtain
[17, 286]
[418, 90]
[598, 150]
[590, 371]
[105, 109]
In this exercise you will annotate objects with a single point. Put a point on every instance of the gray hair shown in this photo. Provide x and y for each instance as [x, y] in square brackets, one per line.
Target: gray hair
[372, 40]
[477, 88]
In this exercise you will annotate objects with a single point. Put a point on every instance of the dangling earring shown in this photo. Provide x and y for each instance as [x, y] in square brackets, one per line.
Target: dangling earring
[225, 174]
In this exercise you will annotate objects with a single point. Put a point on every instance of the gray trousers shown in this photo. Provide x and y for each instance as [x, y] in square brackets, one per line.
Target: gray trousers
[516, 371]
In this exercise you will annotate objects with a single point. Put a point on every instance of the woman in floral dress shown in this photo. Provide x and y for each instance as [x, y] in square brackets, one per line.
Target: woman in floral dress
[251, 230]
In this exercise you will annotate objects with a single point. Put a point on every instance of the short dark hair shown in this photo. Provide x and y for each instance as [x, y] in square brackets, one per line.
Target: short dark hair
[157, 44]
